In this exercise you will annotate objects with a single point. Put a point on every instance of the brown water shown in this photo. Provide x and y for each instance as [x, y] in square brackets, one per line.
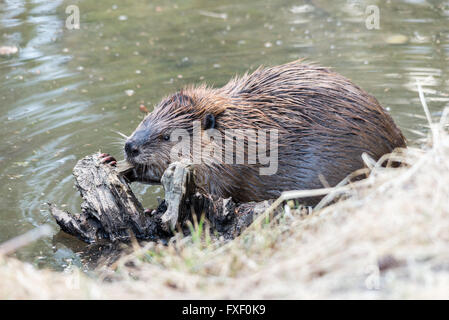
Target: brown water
[63, 95]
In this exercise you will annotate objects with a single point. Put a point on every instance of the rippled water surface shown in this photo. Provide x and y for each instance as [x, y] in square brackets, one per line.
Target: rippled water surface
[66, 93]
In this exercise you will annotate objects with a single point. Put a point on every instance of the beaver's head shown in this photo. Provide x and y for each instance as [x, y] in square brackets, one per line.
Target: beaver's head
[150, 145]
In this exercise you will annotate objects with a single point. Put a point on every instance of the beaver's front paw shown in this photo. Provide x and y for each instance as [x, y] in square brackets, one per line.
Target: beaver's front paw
[149, 211]
[108, 159]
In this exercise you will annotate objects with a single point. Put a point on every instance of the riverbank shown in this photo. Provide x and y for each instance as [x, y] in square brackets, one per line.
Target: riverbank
[387, 239]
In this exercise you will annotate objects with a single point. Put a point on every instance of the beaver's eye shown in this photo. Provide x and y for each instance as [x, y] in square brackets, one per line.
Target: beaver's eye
[166, 137]
[209, 121]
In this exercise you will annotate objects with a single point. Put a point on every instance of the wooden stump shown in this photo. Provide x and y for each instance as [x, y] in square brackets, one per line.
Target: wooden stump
[111, 211]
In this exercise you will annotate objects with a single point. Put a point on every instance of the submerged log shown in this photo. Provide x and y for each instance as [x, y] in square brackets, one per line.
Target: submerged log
[110, 210]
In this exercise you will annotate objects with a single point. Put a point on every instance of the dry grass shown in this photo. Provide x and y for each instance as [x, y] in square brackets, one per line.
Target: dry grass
[388, 239]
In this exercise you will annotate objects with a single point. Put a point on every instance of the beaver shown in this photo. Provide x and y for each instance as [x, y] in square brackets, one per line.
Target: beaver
[324, 123]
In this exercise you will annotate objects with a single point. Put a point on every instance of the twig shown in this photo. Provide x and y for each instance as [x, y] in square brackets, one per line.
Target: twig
[433, 129]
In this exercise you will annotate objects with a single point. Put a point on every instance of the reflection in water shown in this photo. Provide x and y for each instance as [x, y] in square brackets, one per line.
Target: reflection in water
[38, 110]
[65, 93]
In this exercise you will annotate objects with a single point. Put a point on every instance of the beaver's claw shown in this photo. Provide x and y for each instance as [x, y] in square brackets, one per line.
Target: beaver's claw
[108, 159]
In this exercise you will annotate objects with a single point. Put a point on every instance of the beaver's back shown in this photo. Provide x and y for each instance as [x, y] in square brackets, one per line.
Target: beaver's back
[325, 123]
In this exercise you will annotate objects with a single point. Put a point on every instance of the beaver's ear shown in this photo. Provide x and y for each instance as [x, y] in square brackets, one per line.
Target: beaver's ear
[208, 122]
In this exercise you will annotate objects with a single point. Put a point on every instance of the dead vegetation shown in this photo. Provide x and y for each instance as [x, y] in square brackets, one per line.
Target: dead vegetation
[387, 239]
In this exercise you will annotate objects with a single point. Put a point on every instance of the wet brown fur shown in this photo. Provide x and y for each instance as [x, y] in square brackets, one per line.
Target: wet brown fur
[325, 123]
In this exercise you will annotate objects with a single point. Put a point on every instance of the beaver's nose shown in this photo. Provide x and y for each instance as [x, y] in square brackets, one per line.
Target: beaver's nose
[131, 149]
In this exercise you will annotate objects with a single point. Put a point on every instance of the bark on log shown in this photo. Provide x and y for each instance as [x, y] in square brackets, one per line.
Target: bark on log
[111, 211]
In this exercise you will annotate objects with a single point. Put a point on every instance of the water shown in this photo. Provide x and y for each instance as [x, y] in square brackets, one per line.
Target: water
[67, 92]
